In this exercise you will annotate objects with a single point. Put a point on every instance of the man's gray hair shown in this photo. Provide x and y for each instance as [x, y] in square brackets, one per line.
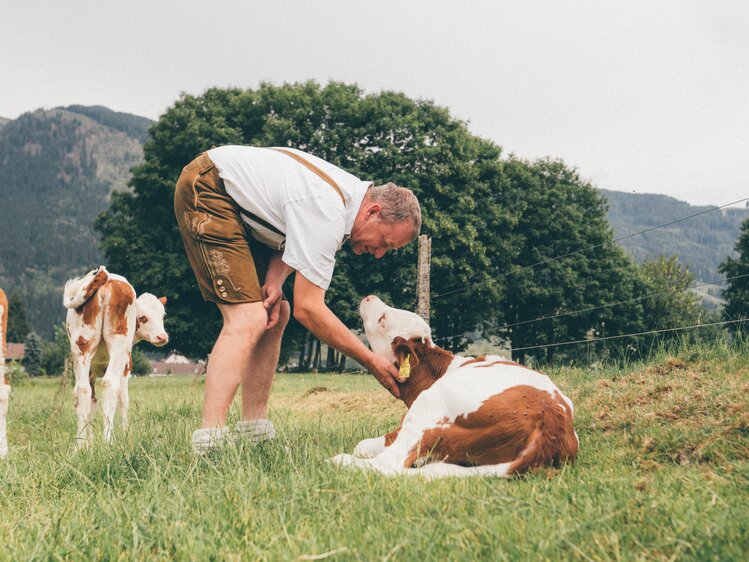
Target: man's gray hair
[398, 204]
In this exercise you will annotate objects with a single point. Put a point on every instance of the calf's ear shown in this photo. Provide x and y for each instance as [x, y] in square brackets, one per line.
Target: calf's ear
[162, 300]
[402, 348]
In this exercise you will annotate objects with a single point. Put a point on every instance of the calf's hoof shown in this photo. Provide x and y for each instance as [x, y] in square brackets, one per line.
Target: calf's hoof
[342, 460]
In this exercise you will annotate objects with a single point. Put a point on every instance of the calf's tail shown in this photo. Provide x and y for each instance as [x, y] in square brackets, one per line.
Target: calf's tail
[79, 290]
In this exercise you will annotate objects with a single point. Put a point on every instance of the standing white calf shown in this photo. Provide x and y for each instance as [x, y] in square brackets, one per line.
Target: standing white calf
[4, 382]
[102, 306]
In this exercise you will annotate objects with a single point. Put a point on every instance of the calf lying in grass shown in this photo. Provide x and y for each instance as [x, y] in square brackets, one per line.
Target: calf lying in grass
[102, 306]
[466, 416]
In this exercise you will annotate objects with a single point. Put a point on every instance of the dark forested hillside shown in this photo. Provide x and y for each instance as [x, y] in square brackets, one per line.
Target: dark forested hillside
[57, 170]
[701, 242]
[132, 125]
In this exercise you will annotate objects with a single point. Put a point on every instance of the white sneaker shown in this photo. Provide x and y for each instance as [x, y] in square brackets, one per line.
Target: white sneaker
[255, 430]
[209, 438]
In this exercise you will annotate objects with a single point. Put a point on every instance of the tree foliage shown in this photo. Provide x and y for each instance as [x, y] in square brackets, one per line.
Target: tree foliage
[670, 301]
[141, 364]
[56, 353]
[33, 359]
[736, 270]
[567, 267]
[18, 324]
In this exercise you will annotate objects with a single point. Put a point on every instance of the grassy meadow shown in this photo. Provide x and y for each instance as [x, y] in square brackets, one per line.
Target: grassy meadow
[663, 474]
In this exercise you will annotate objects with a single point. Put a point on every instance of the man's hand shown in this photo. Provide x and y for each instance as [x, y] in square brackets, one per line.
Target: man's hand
[312, 313]
[272, 294]
[385, 373]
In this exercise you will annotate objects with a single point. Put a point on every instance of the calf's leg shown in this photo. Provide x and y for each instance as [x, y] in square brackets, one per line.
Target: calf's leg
[369, 448]
[119, 353]
[82, 395]
[4, 399]
[124, 401]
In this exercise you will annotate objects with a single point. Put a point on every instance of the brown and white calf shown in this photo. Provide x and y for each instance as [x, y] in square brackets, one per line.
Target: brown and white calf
[4, 382]
[466, 416]
[103, 307]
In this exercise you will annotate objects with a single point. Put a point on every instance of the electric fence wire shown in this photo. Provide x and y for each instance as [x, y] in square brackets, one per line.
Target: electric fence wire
[599, 307]
[568, 254]
[620, 336]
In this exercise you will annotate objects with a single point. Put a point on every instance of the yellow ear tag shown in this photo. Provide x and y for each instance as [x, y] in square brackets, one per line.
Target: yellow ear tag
[405, 369]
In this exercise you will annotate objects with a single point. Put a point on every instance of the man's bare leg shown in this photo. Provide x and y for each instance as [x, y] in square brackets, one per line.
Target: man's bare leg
[258, 379]
[244, 326]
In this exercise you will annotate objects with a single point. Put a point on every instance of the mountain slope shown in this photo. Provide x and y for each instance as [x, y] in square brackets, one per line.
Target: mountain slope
[701, 242]
[57, 170]
[132, 125]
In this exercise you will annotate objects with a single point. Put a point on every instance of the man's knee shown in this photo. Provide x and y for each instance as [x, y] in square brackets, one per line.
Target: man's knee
[243, 318]
[284, 314]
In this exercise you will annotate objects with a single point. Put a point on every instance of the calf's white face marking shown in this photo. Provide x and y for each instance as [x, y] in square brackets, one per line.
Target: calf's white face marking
[150, 319]
[383, 323]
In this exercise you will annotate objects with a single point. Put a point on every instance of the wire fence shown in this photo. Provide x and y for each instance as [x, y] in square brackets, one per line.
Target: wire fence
[602, 306]
[634, 334]
[606, 305]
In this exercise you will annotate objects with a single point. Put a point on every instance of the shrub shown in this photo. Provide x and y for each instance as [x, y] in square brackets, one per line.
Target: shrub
[16, 374]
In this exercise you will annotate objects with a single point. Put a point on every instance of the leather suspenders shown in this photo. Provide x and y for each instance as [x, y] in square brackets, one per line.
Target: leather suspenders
[307, 164]
[314, 169]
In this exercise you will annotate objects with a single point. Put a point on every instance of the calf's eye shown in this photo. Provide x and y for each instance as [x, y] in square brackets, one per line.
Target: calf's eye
[142, 319]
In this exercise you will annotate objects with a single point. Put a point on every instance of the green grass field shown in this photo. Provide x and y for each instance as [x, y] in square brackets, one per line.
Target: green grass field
[663, 474]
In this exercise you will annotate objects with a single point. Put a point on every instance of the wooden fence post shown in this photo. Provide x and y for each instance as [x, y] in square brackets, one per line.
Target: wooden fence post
[422, 280]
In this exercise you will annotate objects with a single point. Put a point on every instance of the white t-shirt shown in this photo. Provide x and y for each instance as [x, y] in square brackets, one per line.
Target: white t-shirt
[296, 201]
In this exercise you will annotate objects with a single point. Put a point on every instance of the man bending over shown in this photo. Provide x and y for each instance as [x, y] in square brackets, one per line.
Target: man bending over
[251, 216]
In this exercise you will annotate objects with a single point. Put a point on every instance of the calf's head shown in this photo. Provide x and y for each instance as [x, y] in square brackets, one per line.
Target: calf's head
[406, 339]
[383, 323]
[150, 319]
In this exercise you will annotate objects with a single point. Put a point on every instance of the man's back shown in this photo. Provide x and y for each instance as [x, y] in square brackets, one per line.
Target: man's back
[263, 181]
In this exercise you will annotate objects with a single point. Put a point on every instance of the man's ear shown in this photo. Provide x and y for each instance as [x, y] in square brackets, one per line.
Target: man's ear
[374, 210]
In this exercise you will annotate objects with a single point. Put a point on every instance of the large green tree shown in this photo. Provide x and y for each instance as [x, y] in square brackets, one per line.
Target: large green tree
[568, 267]
[33, 357]
[670, 302]
[467, 203]
[736, 293]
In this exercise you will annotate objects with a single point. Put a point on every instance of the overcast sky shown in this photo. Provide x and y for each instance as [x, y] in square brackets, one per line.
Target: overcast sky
[646, 97]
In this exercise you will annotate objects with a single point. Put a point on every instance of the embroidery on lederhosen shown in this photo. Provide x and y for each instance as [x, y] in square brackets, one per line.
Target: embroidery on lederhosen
[221, 269]
[219, 263]
[193, 223]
